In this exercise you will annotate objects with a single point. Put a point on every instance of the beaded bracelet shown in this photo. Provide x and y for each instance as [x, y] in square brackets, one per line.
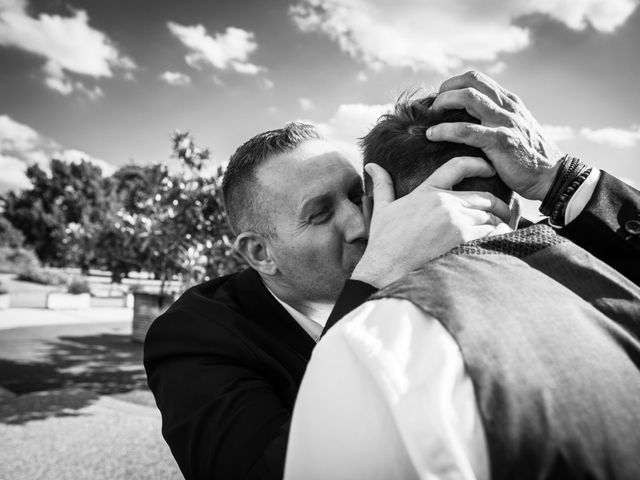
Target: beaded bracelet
[565, 174]
[557, 216]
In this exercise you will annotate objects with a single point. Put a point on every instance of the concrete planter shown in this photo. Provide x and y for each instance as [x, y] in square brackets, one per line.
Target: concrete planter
[4, 301]
[68, 301]
[129, 300]
[146, 308]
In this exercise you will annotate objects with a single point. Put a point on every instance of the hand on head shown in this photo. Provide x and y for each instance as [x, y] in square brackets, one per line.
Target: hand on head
[407, 232]
[524, 158]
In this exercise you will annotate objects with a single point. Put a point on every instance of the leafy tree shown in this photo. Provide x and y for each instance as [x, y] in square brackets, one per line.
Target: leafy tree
[10, 236]
[175, 222]
[62, 212]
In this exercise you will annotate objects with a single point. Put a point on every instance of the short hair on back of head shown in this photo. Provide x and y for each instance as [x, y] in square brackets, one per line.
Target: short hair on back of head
[398, 143]
[240, 186]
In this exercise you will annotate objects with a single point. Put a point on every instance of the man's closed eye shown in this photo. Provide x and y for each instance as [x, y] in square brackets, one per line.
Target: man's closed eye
[321, 216]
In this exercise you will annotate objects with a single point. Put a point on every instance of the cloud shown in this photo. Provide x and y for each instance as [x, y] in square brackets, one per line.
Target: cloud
[267, 83]
[362, 76]
[176, 79]
[559, 133]
[440, 36]
[497, 68]
[13, 177]
[68, 44]
[306, 104]
[604, 15]
[348, 124]
[225, 51]
[613, 137]
[21, 146]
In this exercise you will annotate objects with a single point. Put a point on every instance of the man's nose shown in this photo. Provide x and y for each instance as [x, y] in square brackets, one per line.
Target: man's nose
[354, 227]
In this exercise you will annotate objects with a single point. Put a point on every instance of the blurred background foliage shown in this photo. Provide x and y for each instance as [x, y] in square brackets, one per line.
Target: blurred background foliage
[171, 224]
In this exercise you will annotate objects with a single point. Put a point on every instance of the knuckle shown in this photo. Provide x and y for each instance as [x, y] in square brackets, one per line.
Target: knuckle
[491, 200]
[510, 120]
[470, 93]
[472, 75]
[504, 138]
[513, 97]
[467, 130]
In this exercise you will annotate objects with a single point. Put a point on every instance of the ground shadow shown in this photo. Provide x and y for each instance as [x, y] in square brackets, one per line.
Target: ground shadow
[74, 372]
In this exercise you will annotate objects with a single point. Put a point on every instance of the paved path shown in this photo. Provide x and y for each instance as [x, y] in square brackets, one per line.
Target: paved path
[73, 399]
[29, 317]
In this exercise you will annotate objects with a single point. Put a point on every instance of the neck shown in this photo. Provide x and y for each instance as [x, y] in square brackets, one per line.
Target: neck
[306, 306]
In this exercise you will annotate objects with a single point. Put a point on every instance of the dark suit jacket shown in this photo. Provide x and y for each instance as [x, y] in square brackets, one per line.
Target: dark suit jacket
[226, 360]
[225, 363]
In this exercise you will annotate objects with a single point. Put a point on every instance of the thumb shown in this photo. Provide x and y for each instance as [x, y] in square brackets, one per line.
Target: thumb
[367, 210]
[456, 170]
[383, 193]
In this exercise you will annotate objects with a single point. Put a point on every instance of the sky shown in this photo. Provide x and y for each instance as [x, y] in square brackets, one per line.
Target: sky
[109, 81]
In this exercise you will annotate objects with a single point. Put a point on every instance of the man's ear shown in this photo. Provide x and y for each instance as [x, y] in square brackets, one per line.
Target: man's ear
[254, 248]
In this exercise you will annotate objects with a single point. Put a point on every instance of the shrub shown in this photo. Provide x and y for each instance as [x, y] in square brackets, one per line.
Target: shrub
[79, 285]
[10, 236]
[44, 276]
[17, 260]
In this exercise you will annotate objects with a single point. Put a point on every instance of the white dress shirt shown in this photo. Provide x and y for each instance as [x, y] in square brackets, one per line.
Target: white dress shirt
[386, 396]
[313, 323]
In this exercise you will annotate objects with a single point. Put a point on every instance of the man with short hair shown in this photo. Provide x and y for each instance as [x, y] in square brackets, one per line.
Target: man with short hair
[513, 356]
[226, 360]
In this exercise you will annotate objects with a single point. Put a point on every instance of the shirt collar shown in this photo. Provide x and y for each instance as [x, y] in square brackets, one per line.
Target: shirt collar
[314, 323]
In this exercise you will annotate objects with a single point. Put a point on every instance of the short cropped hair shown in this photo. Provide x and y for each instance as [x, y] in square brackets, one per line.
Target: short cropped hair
[240, 186]
[398, 144]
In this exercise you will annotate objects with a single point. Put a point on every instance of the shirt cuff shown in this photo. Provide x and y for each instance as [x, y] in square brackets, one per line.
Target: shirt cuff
[581, 196]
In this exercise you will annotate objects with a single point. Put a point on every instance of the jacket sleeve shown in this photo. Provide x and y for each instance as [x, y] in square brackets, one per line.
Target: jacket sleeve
[220, 416]
[603, 227]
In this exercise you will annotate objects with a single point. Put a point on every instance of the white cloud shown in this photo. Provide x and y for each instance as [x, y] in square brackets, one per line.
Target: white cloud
[440, 35]
[267, 83]
[604, 15]
[362, 76]
[348, 124]
[226, 51]
[613, 137]
[559, 133]
[77, 156]
[21, 146]
[306, 104]
[218, 81]
[176, 79]
[13, 177]
[68, 44]
[497, 68]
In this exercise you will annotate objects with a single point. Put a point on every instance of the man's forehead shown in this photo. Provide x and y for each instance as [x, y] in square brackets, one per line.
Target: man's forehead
[307, 162]
[314, 168]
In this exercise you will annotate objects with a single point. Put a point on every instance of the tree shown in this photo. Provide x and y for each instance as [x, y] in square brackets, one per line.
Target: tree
[10, 236]
[176, 221]
[62, 212]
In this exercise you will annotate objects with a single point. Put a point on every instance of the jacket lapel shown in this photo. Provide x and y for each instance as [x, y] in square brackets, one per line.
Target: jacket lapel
[265, 310]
